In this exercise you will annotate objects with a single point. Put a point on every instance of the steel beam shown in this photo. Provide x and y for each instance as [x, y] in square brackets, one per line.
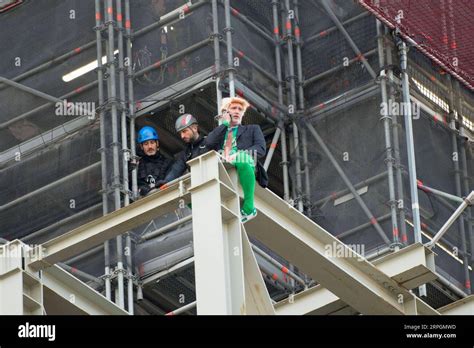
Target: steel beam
[305, 244]
[20, 292]
[114, 224]
[257, 298]
[217, 239]
[464, 306]
[410, 267]
[24, 290]
[222, 253]
[67, 287]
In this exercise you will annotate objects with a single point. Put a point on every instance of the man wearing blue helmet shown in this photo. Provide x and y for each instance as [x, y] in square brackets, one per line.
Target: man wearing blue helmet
[153, 166]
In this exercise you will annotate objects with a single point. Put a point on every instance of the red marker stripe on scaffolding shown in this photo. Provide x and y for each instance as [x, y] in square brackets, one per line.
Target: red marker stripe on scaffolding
[288, 25]
[395, 232]
[274, 276]
[97, 16]
[276, 31]
[422, 187]
[163, 187]
[297, 32]
[157, 64]
[373, 221]
[234, 12]
[78, 90]
[240, 54]
[404, 238]
[119, 17]
[185, 8]
[78, 50]
[109, 10]
[468, 284]
[323, 33]
[128, 24]
[273, 145]
[284, 270]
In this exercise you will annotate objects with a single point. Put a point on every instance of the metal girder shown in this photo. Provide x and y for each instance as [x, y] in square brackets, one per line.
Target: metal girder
[111, 225]
[305, 244]
[257, 298]
[64, 287]
[51, 291]
[353, 279]
[20, 292]
[217, 239]
[464, 306]
[410, 267]
[223, 256]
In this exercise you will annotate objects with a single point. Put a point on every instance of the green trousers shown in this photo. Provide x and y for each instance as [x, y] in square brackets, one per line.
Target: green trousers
[245, 166]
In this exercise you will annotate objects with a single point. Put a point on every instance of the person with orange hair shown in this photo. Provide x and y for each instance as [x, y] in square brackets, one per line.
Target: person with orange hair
[240, 145]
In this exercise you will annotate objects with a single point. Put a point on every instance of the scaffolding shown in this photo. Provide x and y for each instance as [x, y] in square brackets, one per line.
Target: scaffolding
[342, 162]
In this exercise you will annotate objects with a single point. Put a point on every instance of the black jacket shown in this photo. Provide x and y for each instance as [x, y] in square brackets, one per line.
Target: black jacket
[157, 166]
[250, 138]
[191, 151]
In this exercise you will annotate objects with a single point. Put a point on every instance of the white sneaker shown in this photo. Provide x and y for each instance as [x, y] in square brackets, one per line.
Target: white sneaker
[248, 217]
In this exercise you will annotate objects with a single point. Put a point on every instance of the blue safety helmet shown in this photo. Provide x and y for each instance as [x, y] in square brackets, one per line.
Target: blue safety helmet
[147, 133]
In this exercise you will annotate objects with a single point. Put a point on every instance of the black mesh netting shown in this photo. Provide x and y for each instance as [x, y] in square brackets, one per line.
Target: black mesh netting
[355, 137]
